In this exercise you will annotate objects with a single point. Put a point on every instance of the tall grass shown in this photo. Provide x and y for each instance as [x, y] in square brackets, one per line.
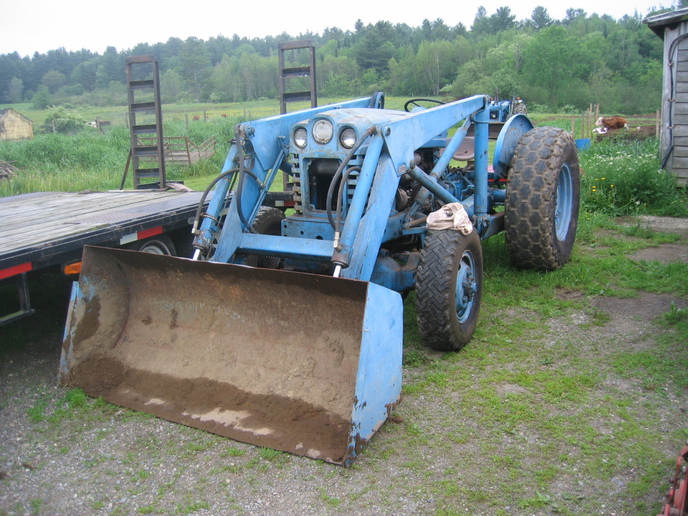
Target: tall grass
[95, 161]
[625, 177]
[618, 177]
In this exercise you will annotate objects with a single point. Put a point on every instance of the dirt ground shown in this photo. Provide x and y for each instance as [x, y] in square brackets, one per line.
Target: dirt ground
[115, 461]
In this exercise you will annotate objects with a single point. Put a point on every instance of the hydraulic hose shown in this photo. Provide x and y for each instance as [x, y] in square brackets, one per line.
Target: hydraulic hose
[197, 218]
[338, 175]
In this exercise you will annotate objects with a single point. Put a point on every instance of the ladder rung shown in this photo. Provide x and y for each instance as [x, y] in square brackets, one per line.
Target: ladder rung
[300, 71]
[142, 106]
[144, 129]
[146, 151]
[297, 95]
[140, 59]
[147, 172]
[141, 85]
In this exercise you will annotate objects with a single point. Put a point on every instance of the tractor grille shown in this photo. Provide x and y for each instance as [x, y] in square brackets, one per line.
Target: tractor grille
[312, 179]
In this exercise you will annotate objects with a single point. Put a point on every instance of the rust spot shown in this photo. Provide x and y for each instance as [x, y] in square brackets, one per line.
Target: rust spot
[90, 322]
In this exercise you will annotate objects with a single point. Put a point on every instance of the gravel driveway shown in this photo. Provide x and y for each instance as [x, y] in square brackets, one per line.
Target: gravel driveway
[474, 434]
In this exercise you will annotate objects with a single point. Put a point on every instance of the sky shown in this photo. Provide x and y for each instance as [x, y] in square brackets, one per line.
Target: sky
[40, 25]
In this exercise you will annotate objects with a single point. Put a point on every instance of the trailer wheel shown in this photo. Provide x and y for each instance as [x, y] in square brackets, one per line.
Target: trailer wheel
[449, 284]
[160, 244]
[268, 221]
[542, 199]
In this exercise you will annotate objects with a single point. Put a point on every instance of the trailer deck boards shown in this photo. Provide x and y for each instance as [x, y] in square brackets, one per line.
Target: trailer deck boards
[37, 228]
[45, 229]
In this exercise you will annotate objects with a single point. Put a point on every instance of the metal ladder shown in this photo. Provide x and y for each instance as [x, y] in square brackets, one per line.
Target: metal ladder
[143, 91]
[296, 72]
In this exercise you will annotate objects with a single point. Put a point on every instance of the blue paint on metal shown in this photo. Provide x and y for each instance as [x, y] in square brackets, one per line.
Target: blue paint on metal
[75, 297]
[507, 140]
[480, 197]
[564, 208]
[379, 376]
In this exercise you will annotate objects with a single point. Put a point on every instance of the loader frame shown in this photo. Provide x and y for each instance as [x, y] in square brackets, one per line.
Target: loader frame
[261, 148]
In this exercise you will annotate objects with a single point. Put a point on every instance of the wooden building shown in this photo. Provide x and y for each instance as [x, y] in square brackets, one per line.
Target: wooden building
[14, 126]
[672, 27]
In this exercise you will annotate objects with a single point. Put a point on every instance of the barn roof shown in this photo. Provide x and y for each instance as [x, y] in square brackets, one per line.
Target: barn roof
[670, 19]
[6, 111]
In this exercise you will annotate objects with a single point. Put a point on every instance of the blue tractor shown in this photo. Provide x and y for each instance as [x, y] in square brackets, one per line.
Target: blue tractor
[286, 328]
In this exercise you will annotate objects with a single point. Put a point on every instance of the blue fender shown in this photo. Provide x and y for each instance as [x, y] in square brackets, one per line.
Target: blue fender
[508, 137]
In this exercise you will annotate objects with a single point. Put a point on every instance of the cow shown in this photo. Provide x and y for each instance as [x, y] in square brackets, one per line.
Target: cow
[610, 123]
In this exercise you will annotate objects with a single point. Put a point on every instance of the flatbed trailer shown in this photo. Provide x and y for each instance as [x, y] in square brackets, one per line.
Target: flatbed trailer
[47, 230]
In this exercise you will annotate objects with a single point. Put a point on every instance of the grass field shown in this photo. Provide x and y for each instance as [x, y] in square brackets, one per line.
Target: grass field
[620, 177]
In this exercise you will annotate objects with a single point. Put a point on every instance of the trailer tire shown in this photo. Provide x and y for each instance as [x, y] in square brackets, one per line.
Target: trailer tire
[449, 284]
[160, 244]
[268, 221]
[542, 199]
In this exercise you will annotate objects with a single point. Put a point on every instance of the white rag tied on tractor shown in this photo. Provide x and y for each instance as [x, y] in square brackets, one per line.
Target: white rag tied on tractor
[286, 330]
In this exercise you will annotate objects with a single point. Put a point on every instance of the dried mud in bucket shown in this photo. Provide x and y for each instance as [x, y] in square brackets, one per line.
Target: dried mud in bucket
[261, 356]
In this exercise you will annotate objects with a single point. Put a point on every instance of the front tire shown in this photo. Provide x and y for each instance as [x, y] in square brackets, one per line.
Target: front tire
[449, 289]
[542, 199]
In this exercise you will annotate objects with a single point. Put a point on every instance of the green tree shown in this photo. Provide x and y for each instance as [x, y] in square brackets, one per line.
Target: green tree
[42, 98]
[375, 47]
[195, 65]
[502, 20]
[338, 76]
[541, 18]
[16, 90]
[481, 23]
[573, 15]
[84, 74]
[110, 68]
[552, 60]
[53, 80]
[436, 64]
[171, 86]
[61, 120]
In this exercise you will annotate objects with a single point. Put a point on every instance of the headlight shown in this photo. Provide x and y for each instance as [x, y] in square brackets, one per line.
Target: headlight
[322, 131]
[300, 137]
[347, 138]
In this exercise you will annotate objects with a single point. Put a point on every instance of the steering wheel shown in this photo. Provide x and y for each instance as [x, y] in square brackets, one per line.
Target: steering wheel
[415, 102]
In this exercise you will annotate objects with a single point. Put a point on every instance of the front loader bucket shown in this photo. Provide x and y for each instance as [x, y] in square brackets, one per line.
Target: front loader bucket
[302, 363]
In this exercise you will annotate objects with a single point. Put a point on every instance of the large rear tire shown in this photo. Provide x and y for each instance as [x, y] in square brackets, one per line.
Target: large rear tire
[542, 199]
[449, 289]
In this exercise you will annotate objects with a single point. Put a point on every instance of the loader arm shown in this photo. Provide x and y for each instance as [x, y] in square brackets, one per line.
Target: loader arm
[389, 154]
[266, 142]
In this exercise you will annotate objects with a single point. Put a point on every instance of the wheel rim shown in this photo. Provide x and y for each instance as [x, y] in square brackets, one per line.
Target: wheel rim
[466, 287]
[564, 207]
[156, 248]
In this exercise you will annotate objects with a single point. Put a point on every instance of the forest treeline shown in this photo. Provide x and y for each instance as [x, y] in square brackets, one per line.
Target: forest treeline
[555, 65]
